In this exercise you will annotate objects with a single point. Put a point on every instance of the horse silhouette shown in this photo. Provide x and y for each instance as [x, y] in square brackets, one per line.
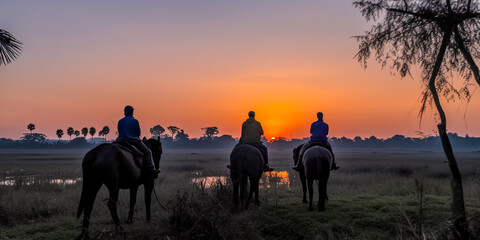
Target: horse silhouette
[246, 163]
[115, 167]
[317, 162]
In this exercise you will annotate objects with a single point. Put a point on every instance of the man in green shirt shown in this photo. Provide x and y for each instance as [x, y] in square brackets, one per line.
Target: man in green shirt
[251, 133]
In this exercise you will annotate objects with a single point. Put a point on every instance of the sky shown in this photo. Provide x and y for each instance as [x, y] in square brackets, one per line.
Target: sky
[195, 64]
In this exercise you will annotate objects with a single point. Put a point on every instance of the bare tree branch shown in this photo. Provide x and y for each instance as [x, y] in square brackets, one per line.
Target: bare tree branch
[467, 55]
[420, 15]
[436, 70]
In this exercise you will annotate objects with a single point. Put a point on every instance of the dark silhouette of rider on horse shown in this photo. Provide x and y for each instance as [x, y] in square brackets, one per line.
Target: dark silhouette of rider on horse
[129, 131]
[319, 131]
[251, 133]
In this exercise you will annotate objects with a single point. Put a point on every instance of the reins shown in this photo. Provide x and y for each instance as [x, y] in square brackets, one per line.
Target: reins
[158, 200]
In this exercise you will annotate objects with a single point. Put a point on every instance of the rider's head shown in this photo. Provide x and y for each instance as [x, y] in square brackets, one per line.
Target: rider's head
[128, 110]
[320, 116]
[251, 114]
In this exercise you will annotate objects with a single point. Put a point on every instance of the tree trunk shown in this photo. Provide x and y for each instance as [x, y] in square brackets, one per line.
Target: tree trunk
[460, 225]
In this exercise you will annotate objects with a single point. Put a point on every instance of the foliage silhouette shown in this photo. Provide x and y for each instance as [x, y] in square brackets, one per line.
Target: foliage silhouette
[182, 140]
[157, 130]
[105, 130]
[441, 37]
[59, 133]
[70, 132]
[92, 131]
[173, 130]
[181, 136]
[78, 142]
[210, 131]
[31, 127]
[10, 47]
[85, 132]
[33, 138]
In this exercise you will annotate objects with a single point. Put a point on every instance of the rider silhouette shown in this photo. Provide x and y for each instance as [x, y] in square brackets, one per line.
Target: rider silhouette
[129, 130]
[251, 133]
[319, 131]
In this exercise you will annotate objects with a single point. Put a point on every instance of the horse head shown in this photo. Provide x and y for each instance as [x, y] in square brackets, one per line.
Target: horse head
[296, 154]
[156, 147]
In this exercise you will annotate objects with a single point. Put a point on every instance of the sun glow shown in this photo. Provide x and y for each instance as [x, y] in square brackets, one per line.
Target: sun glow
[280, 119]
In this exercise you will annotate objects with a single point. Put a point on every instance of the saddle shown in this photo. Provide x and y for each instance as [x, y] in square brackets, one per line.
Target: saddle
[256, 145]
[320, 144]
[137, 155]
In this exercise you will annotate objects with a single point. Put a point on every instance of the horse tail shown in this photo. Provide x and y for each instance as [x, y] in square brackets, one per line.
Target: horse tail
[320, 168]
[81, 205]
[88, 160]
[325, 172]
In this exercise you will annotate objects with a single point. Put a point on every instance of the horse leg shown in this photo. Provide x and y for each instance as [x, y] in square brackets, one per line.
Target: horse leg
[323, 186]
[148, 186]
[304, 186]
[90, 194]
[250, 192]
[322, 194]
[256, 186]
[236, 186]
[112, 205]
[243, 189]
[133, 200]
[310, 193]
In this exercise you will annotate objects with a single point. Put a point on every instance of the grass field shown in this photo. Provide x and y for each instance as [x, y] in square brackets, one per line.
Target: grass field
[375, 195]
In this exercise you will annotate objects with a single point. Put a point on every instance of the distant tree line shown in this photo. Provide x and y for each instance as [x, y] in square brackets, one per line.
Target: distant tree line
[85, 131]
[40, 138]
[177, 138]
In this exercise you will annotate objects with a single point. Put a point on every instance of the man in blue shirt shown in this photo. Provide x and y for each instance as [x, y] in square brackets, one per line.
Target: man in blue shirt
[319, 131]
[129, 130]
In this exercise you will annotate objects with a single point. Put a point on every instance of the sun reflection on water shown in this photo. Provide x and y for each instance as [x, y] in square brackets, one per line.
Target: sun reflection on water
[269, 180]
[9, 181]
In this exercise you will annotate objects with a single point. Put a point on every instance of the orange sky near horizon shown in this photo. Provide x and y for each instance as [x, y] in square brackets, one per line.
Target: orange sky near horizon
[195, 66]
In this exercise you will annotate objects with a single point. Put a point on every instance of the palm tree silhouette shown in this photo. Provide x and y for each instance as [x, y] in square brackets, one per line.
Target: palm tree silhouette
[30, 126]
[10, 47]
[70, 132]
[85, 132]
[59, 133]
[92, 131]
[105, 132]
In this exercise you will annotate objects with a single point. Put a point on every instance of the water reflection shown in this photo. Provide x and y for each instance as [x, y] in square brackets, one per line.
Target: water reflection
[207, 182]
[271, 179]
[275, 178]
[9, 181]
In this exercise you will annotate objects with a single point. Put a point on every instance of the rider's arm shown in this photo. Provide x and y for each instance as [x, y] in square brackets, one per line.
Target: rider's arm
[118, 127]
[137, 129]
